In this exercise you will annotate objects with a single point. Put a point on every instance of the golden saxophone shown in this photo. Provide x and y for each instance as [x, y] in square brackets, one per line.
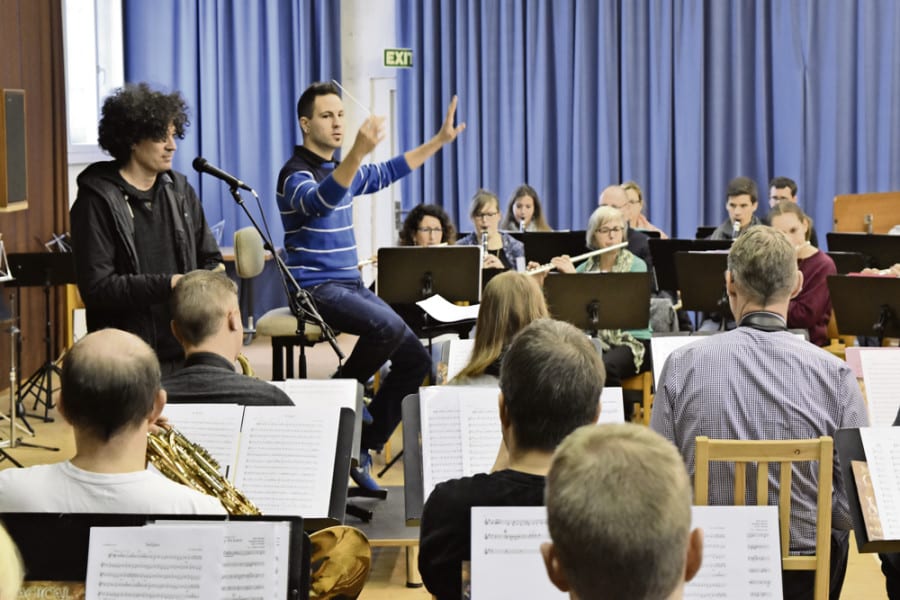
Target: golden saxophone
[190, 464]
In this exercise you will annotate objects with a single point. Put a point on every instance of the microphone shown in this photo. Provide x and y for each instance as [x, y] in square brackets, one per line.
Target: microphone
[201, 165]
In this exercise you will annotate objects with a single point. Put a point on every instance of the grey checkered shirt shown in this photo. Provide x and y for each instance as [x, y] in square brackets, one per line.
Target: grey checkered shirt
[748, 384]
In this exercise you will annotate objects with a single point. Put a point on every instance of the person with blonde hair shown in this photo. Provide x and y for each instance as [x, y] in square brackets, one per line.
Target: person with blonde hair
[811, 308]
[510, 302]
[503, 250]
[12, 573]
[638, 220]
[524, 212]
[619, 496]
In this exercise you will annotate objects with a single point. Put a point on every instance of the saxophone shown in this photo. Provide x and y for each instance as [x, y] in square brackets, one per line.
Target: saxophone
[190, 464]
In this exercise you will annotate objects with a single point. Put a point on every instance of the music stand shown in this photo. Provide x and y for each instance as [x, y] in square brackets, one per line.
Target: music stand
[541, 246]
[595, 301]
[44, 269]
[882, 251]
[866, 306]
[701, 280]
[663, 253]
[848, 262]
[704, 231]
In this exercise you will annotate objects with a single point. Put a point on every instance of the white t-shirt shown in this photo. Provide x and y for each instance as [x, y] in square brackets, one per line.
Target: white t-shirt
[64, 488]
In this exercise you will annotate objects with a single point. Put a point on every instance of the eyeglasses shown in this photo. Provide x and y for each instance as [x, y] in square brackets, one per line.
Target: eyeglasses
[486, 215]
[430, 230]
[608, 230]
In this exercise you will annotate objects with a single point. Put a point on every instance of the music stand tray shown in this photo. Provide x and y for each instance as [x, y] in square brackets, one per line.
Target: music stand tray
[866, 306]
[595, 301]
[409, 274]
[882, 251]
[848, 262]
[663, 253]
[541, 246]
[701, 280]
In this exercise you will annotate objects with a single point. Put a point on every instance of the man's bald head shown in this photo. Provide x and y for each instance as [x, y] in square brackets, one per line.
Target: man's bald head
[110, 381]
[613, 195]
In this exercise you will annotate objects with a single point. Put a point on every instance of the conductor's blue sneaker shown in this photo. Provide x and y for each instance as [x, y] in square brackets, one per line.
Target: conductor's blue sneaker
[362, 475]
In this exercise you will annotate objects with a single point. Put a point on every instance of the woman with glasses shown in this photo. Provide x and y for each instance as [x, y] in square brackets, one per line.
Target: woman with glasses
[502, 251]
[524, 212]
[623, 351]
[637, 219]
[427, 225]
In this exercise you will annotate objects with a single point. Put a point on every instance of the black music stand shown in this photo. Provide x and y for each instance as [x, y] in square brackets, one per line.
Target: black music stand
[541, 246]
[701, 279]
[44, 269]
[848, 262]
[866, 306]
[882, 251]
[595, 301]
[704, 231]
[663, 253]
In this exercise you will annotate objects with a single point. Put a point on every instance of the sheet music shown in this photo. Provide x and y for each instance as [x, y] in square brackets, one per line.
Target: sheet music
[741, 553]
[882, 447]
[881, 374]
[440, 309]
[506, 553]
[612, 409]
[216, 427]
[322, 392]
[450, 415]
[662, 347]
[458, 356]
[154, 562]
[286, 458]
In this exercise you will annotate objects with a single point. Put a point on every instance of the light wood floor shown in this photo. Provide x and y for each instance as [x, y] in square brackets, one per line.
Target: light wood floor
[387, 579]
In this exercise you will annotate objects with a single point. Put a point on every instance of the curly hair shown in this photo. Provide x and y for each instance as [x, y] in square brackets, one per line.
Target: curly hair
[135, 113]
[414, 219]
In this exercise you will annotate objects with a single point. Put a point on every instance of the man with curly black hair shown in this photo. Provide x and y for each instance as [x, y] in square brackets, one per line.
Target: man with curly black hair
[137, 225]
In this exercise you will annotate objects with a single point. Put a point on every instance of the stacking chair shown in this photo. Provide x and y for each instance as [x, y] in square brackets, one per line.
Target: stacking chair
[279, 323]
[783, 452]
[642, 382]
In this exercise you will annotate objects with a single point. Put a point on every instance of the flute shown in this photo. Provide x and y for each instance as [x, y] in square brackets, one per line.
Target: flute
[575, 259]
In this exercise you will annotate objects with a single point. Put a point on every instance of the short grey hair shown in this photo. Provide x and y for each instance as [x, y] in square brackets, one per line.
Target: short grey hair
[618, 496]
[763, 264]
[600, 217]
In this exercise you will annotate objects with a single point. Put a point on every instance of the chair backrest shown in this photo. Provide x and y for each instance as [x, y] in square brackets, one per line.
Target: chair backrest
[249, 255]
[783, 452]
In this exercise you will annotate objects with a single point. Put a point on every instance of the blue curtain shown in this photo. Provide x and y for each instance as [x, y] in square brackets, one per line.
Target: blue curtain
[679, 95]
[241, 66]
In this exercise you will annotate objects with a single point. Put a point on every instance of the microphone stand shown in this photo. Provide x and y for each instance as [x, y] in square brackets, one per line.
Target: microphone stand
[301, 302]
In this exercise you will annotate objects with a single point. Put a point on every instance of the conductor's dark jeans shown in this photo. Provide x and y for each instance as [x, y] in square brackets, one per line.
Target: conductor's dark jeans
[350, 307]
[799, 585]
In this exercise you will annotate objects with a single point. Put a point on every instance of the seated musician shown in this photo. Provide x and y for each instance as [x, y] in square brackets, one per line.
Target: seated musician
[619, 514]
[550, 384]
[110, 395]
[503, 250]
[524, 211]
[811, 308]
[624, 352]
[509, 303]
[206, 320]
[427, 225]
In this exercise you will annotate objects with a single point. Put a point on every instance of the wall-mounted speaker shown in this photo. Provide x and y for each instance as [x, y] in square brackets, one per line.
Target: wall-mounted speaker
[13, 170]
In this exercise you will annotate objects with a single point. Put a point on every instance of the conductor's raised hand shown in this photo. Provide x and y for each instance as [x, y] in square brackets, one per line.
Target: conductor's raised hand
[369, 135]
[448, 132]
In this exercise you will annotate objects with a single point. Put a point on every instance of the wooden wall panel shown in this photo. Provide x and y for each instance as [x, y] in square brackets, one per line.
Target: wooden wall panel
[31, 44]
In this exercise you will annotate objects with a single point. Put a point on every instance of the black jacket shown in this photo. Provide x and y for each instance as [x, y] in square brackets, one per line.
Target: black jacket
[115, 292]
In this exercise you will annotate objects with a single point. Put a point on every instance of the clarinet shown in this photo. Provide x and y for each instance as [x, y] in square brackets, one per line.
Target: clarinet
[484, 245]
[736, 229]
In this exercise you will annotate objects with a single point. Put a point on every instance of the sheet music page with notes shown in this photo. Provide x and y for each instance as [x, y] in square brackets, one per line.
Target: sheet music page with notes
[506, 553]
[286, 459]
[612, 410]
[741, 553]
[458, 356]
[452, 418]
[441, 309]
[319, 392]
[216, 427]
[155, 562]
[882, 447]
[881, 374]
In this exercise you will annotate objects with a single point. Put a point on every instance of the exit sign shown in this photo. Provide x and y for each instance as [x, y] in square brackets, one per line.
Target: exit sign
[398, 57]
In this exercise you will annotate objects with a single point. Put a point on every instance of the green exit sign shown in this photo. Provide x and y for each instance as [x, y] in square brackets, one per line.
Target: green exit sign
[398, 57]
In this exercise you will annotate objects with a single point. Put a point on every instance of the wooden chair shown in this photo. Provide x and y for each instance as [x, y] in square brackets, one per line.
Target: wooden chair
[783, 452]
[279, 323]
[837, 343]
[642, 382]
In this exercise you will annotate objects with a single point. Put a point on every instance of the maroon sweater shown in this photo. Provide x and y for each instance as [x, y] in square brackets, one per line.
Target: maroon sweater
[811, 309]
